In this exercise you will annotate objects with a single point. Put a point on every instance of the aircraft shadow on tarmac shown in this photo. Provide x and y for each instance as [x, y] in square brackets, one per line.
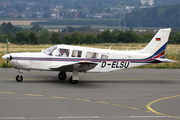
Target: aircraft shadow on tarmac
[94, 81]
[85, 83]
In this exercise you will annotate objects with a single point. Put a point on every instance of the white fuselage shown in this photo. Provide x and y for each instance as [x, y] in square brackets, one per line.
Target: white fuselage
[107, 60]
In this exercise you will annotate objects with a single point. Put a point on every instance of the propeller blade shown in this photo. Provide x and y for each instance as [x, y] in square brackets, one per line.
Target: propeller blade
[7, 53]
[6, 65]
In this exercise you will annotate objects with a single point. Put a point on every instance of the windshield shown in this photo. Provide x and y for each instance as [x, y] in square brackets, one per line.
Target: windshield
[50, 50]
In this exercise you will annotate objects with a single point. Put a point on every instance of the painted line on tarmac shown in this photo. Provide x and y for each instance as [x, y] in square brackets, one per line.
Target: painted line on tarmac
[148, 116]
[119, 105]
[148, 106]
[35, 95]
[83, 100]
[78, 117]
[12, 118]
[61, 97]
[79, 99]
[102, 102]
[150, 110]
[7, 92]
[134, 108]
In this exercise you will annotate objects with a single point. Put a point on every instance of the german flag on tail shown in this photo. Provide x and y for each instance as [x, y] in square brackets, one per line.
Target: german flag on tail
[158, 39]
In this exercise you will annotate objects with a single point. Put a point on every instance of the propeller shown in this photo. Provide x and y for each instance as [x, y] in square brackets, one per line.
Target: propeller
[7, 57]
[7, 53]
[6, 65]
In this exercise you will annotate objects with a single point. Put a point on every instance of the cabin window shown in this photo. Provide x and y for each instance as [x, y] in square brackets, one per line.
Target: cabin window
[91, 55]
[104, 56]
[63, 52]
[76, 53]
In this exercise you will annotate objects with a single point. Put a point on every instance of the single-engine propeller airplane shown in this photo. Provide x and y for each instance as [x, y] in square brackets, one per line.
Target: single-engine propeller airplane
[67, 58]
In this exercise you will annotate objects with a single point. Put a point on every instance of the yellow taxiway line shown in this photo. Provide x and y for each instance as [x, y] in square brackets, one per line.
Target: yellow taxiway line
[148, 106]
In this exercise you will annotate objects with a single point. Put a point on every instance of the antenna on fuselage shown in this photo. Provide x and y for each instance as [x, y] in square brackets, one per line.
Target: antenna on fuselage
[111, 46]
[129, 47]
[7, 46]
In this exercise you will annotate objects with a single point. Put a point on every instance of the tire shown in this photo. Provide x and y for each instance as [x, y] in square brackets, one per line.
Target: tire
[72, 81]
[19, 78]
[62, 75]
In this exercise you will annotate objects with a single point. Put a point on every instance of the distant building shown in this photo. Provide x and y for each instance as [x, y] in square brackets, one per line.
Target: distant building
[74, 10]
[39, 14]
[27, 13]
[116, 10]
[11, 12]
[98, 15]
[76, 15]
[150, 2]
[55, 14]
[5, 3]
[90, 15]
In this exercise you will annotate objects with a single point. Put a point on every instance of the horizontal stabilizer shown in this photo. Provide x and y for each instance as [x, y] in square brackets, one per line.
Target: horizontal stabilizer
[164, 60]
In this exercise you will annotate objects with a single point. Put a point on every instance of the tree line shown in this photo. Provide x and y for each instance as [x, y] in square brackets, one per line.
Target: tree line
[38, 35]
[73, 29]
[6, 27]
[116, 36]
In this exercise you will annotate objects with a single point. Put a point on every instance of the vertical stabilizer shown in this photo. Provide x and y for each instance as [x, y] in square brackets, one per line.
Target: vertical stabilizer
[158, 43]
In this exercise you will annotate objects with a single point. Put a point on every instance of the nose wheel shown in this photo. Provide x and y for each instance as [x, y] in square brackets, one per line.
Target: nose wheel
[19, 77]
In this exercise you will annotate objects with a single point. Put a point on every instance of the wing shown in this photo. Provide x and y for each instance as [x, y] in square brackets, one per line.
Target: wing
[82, 66]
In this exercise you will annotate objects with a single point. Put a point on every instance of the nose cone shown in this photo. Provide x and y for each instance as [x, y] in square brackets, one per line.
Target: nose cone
[6, 57]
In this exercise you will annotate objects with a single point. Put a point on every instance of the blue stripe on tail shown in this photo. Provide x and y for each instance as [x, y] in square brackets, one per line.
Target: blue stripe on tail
[158, 52]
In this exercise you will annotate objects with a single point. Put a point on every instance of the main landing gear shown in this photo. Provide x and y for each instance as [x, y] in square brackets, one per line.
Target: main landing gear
[62, 75]
[74, 78]
[19, 77]
[72, 81]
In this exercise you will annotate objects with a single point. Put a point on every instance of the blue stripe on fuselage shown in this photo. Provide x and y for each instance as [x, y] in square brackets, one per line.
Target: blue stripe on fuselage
[97, 60]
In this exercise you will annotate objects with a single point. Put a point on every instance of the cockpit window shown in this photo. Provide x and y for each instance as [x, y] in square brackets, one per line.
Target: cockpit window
[49, 51]
[63, 52]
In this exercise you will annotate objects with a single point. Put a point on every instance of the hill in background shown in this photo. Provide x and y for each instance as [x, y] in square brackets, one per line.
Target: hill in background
[161, 16]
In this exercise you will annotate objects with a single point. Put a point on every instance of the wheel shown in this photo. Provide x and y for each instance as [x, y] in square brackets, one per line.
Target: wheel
[19, 78]
[72, 81]
[62, 75]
